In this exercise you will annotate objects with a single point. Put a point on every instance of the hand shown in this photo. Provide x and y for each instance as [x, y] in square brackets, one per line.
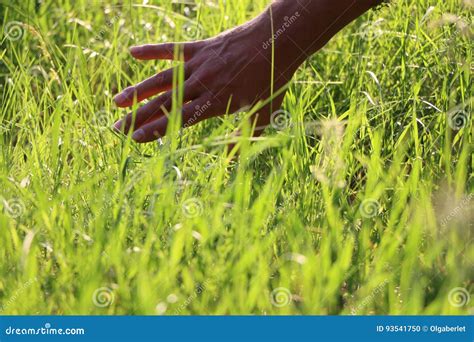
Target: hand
[222, 75]
[234, 70]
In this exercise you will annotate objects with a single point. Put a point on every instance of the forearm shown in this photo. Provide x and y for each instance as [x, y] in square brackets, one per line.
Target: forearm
[299, 28]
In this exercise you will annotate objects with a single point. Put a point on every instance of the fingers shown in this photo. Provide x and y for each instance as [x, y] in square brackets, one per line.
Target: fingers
[156, 108]
[192, 113]
[162, 81]
[164, 51]
[152, 110]
[199, 110]
[151, 86]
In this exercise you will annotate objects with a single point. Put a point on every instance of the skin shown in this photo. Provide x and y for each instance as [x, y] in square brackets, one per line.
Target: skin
[233, 70]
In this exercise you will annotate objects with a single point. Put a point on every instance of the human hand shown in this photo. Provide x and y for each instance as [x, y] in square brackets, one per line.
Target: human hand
[222, 75]
[238, 68]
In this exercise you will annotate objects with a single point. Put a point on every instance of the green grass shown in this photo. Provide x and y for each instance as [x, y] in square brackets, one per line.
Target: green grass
[361, 204]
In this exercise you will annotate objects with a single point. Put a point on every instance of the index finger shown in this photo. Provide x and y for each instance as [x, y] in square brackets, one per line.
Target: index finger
[164, 51]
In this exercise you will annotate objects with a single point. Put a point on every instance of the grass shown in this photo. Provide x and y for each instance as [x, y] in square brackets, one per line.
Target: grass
[360, 202]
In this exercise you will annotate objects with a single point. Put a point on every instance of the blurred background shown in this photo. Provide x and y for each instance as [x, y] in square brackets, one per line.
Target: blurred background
[358, 201]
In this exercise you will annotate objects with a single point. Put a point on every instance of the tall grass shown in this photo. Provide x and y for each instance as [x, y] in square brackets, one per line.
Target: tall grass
[360, 202]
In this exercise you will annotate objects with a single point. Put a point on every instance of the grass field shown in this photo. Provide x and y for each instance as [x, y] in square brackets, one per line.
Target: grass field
[357, 201]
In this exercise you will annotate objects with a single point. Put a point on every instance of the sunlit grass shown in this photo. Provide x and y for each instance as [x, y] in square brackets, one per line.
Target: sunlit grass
[360, 203]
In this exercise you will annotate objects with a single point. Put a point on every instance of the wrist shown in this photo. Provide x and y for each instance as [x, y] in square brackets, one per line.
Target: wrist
[297, 29]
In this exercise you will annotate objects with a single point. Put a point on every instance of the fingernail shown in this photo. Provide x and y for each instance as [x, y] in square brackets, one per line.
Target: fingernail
[136, 51]
[117, 126]
[138, 135]
[125, 95]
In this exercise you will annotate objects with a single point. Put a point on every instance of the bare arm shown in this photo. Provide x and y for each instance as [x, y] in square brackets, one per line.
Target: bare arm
[234, 69]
